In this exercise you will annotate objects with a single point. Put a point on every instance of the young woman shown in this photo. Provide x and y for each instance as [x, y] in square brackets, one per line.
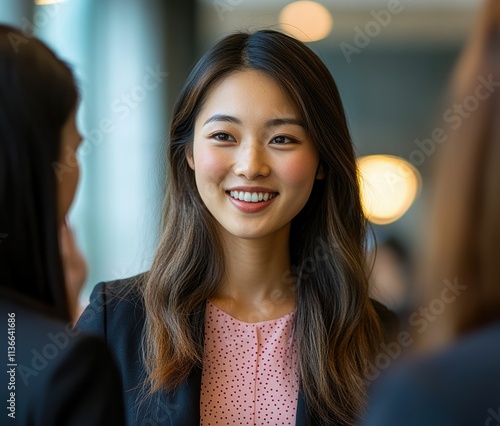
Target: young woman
[456, 382]
[56, 375]
[255, 310]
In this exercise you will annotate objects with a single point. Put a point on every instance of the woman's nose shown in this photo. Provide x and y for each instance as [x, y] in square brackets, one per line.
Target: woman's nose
[251, 161]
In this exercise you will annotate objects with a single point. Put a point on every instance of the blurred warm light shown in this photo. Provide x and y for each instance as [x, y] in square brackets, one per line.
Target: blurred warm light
[389, 185]
[306, 20]
[47, 2]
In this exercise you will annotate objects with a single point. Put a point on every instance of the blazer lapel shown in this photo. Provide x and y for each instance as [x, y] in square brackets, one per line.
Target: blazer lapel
[301, 418]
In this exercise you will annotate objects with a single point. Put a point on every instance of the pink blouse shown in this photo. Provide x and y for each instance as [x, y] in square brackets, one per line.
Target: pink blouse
[250, 374]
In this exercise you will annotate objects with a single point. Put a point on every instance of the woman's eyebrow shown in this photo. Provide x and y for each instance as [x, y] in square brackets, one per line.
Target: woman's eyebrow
[283, 121]
[274, 122]
[223, 117]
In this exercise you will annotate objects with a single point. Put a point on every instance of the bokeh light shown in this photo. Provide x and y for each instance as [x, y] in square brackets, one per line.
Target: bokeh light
[306, 20]
[389, 185]
[47, 2]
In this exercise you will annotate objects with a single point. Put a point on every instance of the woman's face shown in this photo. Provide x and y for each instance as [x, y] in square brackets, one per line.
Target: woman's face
[253, 161]
[67, 172]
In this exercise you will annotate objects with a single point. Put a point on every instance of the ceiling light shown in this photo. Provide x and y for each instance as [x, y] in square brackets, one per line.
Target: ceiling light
[47, 2]
[306, 20]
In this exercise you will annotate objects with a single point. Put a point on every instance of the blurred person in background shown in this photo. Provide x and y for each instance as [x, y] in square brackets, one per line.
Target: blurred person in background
[55, 375]
[458, 382]
[390, 278]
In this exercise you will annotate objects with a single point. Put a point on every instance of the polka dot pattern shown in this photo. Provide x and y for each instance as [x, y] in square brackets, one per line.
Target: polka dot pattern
[250, 374]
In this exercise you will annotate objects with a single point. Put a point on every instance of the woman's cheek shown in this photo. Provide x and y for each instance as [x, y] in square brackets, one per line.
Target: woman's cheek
[210, 172]
[211, 164]
[299, 170]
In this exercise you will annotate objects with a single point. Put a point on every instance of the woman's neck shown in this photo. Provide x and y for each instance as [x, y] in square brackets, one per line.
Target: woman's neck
[257, 285]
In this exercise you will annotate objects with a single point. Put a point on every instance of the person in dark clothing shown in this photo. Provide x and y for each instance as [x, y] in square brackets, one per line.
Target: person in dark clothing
[53, 375]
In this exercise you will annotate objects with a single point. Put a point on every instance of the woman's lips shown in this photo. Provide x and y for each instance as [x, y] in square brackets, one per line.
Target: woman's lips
[251, 202]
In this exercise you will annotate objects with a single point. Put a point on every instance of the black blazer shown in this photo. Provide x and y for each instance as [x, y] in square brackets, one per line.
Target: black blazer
[57, 375]
[119, 318]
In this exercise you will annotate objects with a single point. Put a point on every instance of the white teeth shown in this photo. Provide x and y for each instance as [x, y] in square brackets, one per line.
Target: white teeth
[252, 197]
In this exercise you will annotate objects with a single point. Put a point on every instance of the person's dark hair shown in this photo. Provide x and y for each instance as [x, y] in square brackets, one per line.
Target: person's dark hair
[37, 95]
[336, 328]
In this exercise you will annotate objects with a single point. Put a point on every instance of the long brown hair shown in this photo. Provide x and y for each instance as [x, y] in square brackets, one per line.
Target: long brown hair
[336, 328]
[465, 224]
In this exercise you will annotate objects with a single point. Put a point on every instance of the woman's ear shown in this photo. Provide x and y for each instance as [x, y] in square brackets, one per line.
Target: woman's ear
[189, 155]
[320, 172]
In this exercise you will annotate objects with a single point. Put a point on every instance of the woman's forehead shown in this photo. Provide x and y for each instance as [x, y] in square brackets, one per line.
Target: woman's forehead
[248, 92]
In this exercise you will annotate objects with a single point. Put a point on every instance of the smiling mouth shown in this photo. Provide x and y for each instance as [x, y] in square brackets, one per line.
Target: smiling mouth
[252, 197]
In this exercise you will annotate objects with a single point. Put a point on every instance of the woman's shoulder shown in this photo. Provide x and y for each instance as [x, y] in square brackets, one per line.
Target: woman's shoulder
[114, 304]
[126, 291]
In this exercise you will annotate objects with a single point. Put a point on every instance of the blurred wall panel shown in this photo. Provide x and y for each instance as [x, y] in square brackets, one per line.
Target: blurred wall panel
[124, 125]
[138, 51]
[18, 13]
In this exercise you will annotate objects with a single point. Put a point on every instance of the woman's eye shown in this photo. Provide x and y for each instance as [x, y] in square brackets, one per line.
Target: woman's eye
[281, 140]
[223, 137]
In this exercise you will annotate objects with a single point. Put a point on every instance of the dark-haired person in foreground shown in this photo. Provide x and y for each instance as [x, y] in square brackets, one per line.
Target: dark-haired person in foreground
[52, 374]
[256, 308]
